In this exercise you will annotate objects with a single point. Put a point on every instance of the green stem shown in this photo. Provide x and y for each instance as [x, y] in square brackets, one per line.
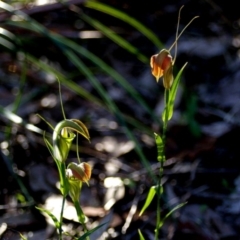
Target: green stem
[81, 216]
[159, 188]
[158, 207]
[61, 218]
[64, 188]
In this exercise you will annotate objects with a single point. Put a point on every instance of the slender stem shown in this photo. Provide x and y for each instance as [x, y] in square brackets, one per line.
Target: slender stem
[158, 206]
[61, 218]
[81, 216]
[165, 122]
[60, 96]
[159, 187]
[77, 150]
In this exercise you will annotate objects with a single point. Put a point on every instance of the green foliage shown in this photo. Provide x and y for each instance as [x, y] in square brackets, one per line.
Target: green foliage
[126, 18]
[87, 234]
[65, 131]
[168, 111]
[114, 37]
[169, 213]
[152, 191]
[74, 52]
[141, 237]
[55, 220]
[22, 237]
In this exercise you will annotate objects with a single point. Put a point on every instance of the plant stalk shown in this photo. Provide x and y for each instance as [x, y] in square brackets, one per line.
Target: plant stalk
[61, 217]
[81, 217]
[159, 188]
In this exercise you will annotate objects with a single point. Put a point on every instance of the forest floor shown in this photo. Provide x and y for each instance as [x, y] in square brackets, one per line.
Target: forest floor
[202, 148]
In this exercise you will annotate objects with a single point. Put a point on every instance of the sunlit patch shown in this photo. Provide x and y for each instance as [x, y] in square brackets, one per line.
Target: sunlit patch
[115, 191]
[90, 34]
[4, 148]
[4, 145]
[34, 119]
[23, 141]
[44, 2]
[49, 101]
[3, 228]
[236, 41]
[104, 123]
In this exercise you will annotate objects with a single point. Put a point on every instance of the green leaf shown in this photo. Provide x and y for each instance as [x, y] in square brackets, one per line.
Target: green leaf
[126, 18]
[88, 233]
[172, 95]
[160, 148]
[151, 194]
[74, 190]
[64, 80]
[141, 237]
[114, 37]
[67, 44]
[49, 146]
[170, 212]
[56, 222]
[72, 51]
[80, 213]
[22, 237]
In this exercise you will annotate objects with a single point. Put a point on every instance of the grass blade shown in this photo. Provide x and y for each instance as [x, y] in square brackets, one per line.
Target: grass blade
[89, 232]
[55, 220]
[141, 237]
[114, 37]
[126, 18]
[172, 94]
[150, 196]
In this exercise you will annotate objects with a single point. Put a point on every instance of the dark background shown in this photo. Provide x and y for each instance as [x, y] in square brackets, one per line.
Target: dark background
[202, 150]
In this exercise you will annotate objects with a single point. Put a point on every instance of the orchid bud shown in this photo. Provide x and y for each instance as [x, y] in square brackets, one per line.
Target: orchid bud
[80, 171]
[74, 188]
[162, 65]
[63, 136]
[62, 144]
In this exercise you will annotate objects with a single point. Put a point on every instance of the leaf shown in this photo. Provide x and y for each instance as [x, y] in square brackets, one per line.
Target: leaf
[160, 148]
[22, 237]
[172, 95]
[151, 194]
[67, 44]
[170, 212]
[141, 237]
[114, 37]
[88, 233]
[72, 50]
[126, 18]
[64, 80]
[56, 222]
[48, 144]
[7, 44]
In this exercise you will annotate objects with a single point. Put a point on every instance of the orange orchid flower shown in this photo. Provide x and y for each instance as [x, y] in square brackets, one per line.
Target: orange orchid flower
[162, 63]
[80, 171]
